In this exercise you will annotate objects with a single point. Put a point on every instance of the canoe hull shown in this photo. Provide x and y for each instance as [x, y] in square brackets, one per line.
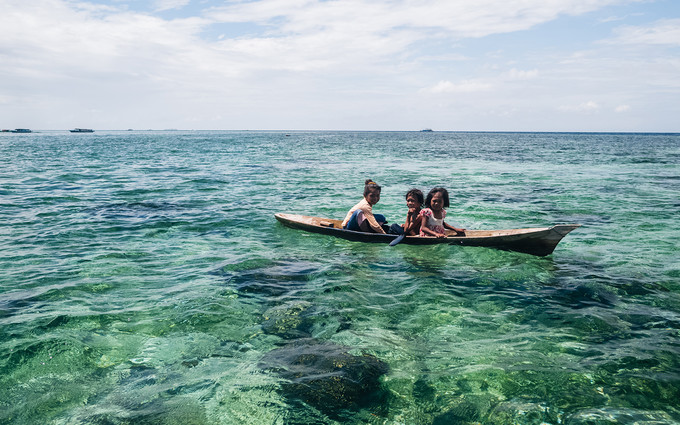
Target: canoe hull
[535, 241]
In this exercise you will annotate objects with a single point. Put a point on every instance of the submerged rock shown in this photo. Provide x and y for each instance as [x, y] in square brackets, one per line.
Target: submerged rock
[288, 320]
[327, 376]
[463, 413]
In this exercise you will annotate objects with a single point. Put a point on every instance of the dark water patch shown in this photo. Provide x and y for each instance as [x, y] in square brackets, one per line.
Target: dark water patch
[58, 321]
[633, 390]
[623, 415]
[497, 396]
[339, 288]
[463, 412]
[21, 302]
[244, 264]
[77, 177]
[628, 363]
[579, 296]
[327, 376]
[133, 209]
[589, 324]
[171, 409]
[211, 182]
[141, 376]
[636, 287]
[122, 255]
[156, 217]
[650, 160]
[211, 225]
[523, 411]
[278, 279]
[202, 317]
[585, 220]
[144, 193]
[267, 285]
[645, 318]
[155, 226]
[51, 354]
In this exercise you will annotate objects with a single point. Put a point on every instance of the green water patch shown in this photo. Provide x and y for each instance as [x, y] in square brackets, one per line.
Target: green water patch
[150, 267]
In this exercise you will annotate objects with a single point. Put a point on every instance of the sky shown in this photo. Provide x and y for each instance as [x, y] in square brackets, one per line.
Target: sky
[448, 65]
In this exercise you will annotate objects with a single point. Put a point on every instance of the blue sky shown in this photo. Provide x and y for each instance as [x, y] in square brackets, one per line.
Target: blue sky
[487, 65]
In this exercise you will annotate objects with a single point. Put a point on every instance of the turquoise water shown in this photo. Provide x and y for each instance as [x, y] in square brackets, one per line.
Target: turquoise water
[144, 279]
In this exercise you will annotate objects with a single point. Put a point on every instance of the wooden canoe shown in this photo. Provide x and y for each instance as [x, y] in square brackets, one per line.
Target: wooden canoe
[539, 241]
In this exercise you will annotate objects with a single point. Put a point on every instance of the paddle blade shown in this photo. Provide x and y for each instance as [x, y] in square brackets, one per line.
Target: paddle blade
[397, 239]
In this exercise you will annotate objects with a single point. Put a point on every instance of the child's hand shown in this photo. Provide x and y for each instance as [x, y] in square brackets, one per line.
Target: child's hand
[441, 235]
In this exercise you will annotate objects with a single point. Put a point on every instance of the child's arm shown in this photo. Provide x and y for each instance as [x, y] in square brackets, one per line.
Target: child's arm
[412, 224]
[459, 232]
[373, 222]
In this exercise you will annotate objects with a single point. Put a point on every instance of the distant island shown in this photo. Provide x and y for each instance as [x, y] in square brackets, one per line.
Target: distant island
[82, 130]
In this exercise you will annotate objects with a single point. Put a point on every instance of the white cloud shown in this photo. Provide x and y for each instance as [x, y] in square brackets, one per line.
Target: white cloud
[619, 18]
[589, 106]
[461, 18]
[663, 32]
[161, 5]
[311, 60]
[469, 86]
[622, 108]
[297, 35]
[516, 74]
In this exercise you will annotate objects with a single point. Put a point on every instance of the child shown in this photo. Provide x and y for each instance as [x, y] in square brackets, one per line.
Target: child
[360, 218]
[433, 215]
[414, 200]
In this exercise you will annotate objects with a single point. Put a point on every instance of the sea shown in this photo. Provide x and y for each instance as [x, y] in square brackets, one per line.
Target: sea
[145, 280]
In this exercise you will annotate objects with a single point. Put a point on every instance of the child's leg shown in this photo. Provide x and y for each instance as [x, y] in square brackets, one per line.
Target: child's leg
[396, 229]
[364, 226]
[353, 223]
[358, 222]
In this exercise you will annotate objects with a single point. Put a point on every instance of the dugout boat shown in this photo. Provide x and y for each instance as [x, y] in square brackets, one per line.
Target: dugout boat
[539, 241]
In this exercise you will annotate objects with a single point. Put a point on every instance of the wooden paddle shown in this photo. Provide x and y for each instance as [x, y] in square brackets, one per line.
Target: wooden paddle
[398, 239]
[395, 228]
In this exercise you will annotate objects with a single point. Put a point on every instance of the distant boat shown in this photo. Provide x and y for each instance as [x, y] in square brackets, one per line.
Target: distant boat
[426, 130]
[21, 130]
[82, 130]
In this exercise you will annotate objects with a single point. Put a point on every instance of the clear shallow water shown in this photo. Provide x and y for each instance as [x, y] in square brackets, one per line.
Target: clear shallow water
[144, 279]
